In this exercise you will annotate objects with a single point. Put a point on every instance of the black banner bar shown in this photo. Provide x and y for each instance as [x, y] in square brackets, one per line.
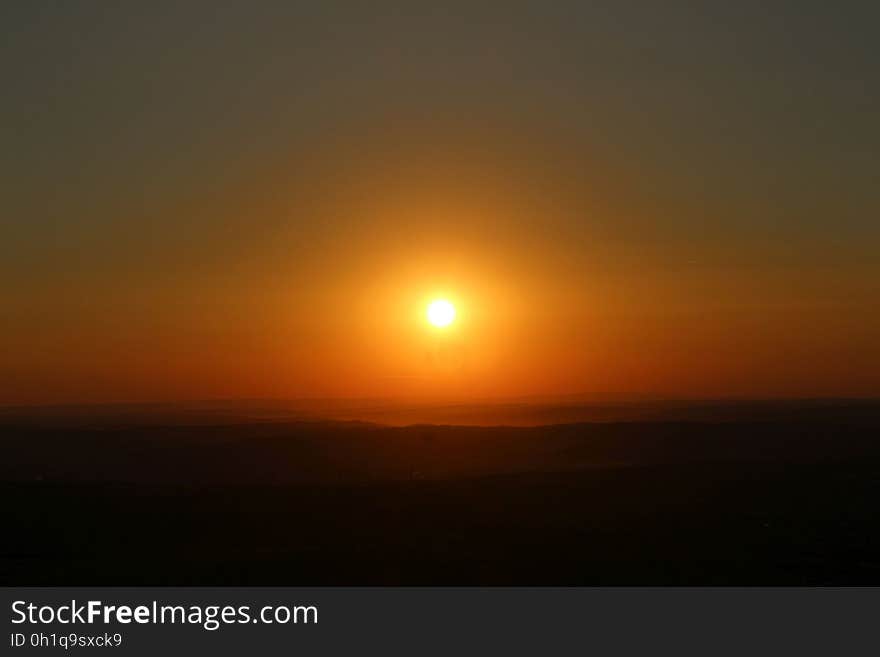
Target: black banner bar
[415, 621]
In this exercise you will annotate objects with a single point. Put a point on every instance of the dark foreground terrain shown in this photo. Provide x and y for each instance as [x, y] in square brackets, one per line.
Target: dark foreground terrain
[787, 497]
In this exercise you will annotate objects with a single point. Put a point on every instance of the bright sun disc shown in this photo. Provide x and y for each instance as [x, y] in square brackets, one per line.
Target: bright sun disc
[441, 313]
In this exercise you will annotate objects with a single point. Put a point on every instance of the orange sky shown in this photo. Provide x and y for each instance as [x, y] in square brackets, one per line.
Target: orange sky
[559, 290]
[230, 218]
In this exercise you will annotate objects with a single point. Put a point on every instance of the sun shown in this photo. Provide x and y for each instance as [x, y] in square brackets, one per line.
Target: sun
[441, 313]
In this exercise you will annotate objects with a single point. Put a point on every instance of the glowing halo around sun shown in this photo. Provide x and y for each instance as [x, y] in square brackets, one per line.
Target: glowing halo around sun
[441, 313]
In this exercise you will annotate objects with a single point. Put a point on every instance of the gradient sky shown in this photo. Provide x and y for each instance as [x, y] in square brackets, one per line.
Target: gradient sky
[256, 199]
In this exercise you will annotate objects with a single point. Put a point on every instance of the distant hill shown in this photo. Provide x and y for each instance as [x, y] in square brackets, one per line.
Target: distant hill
[216, 447]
